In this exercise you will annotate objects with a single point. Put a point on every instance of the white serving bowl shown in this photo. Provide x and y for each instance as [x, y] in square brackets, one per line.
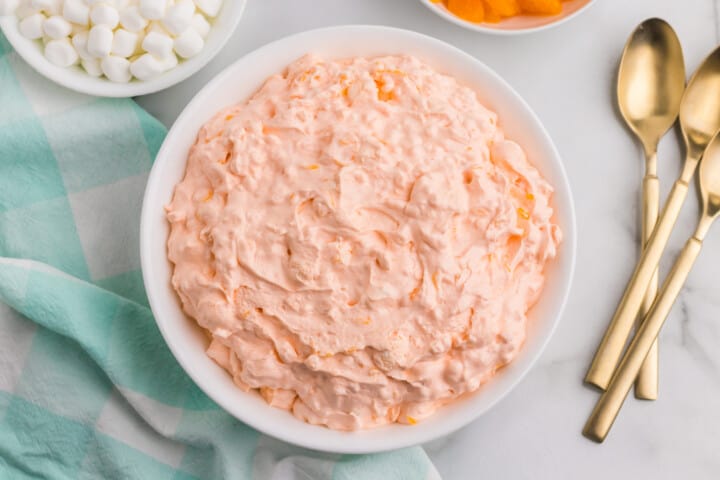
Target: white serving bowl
[75, 78]
[238, 82]
[514, 25]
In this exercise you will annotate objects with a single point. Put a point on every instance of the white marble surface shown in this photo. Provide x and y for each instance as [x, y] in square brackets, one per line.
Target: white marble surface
[567, 75]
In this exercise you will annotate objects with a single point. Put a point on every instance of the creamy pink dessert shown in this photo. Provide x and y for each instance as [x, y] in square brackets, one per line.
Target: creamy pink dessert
[360, 241]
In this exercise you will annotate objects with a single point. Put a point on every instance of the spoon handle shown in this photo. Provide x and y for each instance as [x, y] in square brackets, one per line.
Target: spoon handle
[609, 404]
[646, 385]
[612, 345]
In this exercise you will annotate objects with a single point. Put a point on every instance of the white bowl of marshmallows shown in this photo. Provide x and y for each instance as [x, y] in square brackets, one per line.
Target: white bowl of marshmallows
[118, 48]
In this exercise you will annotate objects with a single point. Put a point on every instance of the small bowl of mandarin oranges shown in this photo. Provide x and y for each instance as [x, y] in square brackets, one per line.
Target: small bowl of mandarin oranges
[507, 16]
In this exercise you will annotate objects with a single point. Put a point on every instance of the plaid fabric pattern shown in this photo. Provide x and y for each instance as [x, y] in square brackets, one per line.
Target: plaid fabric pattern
[88, 389]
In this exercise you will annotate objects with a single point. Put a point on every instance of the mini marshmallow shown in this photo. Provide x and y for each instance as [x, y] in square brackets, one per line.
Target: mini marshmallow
[32, 27]
[169, 62]
[104, 15]
[189, 44]
[146, 66]
[153, 9]
[124, 43]
[61, 52]
[200, 24]
[100, 41]
[179, 17]
[79, 41]
[57, 27]
[8, 7]
[116, 68]
[92, 66]
[76, 11]
[158, 44]
[209, 7]
[50, 7]
[131, 20]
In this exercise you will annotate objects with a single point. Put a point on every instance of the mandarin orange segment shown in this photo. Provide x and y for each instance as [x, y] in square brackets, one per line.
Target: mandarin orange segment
[540, 7]
[496, 10]
[492, 17]
[470, 10]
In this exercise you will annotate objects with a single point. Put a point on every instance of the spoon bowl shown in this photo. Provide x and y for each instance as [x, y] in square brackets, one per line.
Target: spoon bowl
[700, 106]
[651, 80]
[710, 178]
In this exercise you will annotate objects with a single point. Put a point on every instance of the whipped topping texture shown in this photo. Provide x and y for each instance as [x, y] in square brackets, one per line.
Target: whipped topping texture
[360, 241]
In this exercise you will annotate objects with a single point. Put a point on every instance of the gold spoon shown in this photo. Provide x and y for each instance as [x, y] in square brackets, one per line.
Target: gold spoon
[651, 81]
[611, 401]
[699, 120]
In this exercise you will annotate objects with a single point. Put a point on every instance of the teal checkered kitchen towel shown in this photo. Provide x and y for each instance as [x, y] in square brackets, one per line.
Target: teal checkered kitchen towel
[88, 389]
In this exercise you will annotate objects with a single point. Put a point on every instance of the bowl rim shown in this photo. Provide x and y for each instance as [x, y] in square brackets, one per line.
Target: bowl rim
[483, 28]
[77, 80]
[355, 443]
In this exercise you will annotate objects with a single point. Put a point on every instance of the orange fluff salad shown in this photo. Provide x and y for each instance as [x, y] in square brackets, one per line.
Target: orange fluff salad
[493, 11]
[360, 241]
